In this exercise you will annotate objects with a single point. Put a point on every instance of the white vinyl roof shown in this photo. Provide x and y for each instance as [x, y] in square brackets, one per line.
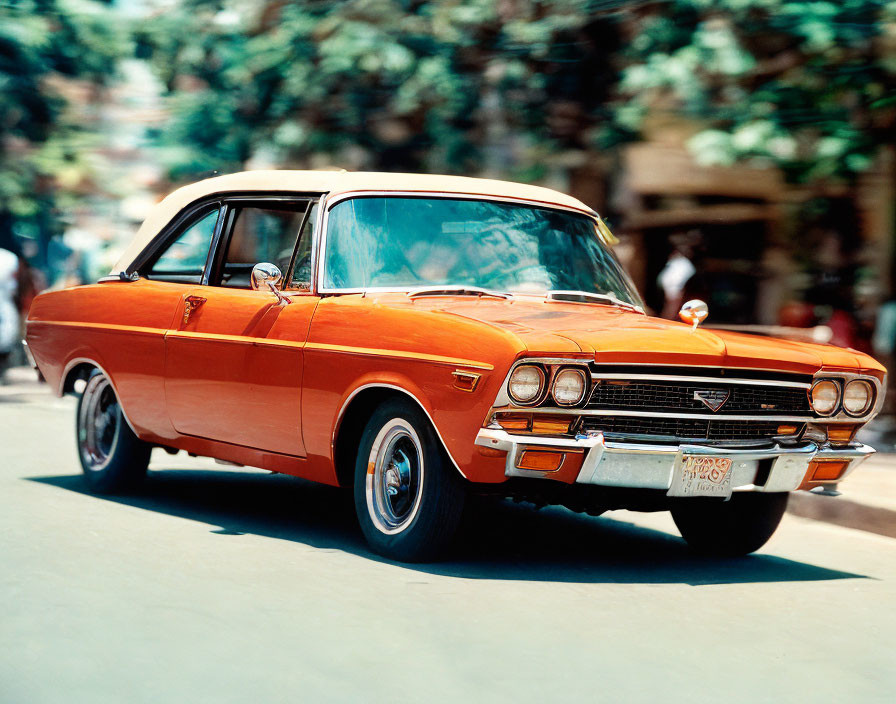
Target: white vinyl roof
[333, 183]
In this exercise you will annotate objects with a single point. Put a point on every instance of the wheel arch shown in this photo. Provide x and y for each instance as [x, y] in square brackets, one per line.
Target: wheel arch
[352, 419]
[80, 368]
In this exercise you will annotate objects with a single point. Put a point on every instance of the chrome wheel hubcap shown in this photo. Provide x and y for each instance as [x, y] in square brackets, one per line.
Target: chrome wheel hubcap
[394, 477]
[99, 422]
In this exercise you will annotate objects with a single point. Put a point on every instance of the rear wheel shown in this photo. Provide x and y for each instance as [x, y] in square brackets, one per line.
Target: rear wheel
[730, 528]
[112, 457]
[408, 497]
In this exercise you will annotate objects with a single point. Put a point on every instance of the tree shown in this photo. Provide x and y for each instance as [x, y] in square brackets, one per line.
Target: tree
[420, 85]
[44, 45]
[467, 86]
[806, 85]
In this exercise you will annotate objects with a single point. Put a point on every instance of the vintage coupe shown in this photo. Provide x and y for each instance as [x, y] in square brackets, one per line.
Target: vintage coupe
[421, 337]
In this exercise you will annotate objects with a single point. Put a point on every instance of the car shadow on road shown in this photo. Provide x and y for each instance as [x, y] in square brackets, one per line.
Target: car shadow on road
[499, 539]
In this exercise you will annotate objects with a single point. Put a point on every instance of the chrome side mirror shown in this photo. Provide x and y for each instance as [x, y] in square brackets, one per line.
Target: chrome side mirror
[694, 312]
[266, 275]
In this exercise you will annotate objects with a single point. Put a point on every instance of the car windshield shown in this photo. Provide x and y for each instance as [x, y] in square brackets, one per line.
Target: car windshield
[411, 242]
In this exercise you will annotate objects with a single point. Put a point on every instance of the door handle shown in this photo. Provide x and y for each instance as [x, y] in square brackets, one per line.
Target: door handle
[191, 303]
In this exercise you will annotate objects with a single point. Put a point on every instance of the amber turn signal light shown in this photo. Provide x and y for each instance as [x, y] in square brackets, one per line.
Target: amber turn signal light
[827, 470]
[548, 425]
[513, 421]
[842, 433]
[540, 460]
[786, 429]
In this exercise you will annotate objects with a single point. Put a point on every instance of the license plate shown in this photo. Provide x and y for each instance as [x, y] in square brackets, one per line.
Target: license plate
[699, 475]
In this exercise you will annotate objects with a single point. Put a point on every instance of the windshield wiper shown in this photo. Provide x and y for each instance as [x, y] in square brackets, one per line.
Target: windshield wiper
[456, 291]
[591, 296]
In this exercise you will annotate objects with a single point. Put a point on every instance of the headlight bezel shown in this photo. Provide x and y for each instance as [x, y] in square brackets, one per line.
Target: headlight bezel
[869, 402]
[534, 400]
[841, 381]
[578, 371]
[837, 400]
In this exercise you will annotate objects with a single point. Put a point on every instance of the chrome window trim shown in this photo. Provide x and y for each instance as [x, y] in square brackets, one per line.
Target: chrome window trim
[230, 204]
[328, 203]
[166, 231]
[176, 226]
[316, 236]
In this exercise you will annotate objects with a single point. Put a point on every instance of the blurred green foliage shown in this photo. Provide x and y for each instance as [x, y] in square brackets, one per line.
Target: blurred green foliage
[439, 85]
[807, 85]
[46, 46]
[390, 84]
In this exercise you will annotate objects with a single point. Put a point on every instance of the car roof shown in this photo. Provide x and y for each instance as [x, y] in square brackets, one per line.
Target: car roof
[334, 183]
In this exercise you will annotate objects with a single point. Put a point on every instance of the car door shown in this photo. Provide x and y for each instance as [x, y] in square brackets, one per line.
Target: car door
[134, 314]
[234, 354]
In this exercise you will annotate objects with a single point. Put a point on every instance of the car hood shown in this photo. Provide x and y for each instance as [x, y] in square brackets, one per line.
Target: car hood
[615, 335]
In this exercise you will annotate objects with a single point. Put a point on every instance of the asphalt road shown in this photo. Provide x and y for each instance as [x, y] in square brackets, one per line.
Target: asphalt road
[223, 586]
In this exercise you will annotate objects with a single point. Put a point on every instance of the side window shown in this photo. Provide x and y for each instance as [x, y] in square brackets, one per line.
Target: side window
[301, 273]
[183, 261]
[260, 235]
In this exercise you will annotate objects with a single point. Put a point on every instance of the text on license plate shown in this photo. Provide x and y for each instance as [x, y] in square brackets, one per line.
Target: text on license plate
[698, 475]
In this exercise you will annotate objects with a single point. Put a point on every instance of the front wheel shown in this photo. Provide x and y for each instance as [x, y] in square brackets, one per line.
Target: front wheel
[730, 528]
[112, 457]
[408, 497]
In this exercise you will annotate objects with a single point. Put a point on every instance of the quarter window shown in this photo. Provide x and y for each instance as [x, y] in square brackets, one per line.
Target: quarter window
[183, 261]
[260, 235]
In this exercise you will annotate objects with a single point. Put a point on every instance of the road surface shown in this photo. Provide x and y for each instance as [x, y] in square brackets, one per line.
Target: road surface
[222, 586]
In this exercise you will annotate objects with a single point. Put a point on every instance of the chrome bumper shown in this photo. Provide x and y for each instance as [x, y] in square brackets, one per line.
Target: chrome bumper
[29, 356]
[642, 466]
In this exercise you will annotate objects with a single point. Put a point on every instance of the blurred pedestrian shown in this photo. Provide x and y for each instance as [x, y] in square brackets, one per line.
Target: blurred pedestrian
[674, 277]
[9, 312]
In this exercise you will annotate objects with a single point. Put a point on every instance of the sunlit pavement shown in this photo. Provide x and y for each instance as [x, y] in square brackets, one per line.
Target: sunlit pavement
[220, 586]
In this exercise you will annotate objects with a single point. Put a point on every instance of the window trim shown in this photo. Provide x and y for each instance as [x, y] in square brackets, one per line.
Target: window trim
[172, 229]
[185, 220]
[287, 276]
[330, 203]
[230, 206]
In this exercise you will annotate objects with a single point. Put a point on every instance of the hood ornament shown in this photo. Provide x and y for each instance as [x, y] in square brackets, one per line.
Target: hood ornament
[694, 312]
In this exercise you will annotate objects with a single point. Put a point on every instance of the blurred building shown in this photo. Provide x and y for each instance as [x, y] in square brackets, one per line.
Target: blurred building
[766, 252]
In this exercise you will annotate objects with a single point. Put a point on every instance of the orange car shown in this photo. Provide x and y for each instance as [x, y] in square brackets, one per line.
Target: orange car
[421, 337]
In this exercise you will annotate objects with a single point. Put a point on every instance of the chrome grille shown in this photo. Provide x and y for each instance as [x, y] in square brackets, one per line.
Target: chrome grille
[679, 397]
[685, 429]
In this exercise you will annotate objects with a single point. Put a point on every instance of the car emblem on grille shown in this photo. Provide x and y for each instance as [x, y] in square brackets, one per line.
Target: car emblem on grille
[713, 399]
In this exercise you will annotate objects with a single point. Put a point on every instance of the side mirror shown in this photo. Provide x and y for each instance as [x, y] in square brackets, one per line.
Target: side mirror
[266, 275]
[694, 312]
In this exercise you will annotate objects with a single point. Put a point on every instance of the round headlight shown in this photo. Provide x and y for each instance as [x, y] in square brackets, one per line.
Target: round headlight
[857, 397]
[569, 387]
[825, 397]
[526, 383]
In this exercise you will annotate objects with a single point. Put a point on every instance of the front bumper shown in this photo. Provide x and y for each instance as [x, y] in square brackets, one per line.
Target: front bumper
[645, 466]
[28, 356]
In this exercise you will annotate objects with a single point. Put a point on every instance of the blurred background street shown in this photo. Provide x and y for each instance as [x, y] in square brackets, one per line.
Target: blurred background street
[214, 585]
